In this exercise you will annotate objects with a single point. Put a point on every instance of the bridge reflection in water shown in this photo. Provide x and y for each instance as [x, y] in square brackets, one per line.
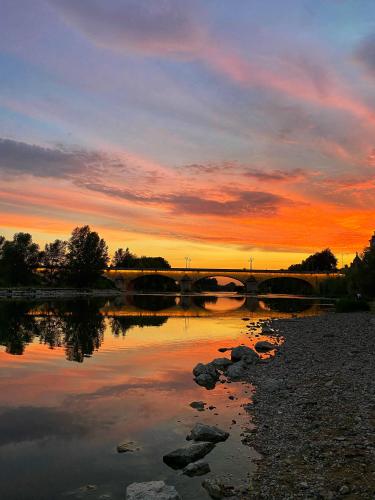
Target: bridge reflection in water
[208, 305]
[79, 326]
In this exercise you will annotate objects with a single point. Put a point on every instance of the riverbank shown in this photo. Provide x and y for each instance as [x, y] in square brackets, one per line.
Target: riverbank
[314, 410]
[49, 293]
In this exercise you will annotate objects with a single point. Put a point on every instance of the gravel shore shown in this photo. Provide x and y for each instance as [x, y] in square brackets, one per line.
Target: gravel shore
[314, 410]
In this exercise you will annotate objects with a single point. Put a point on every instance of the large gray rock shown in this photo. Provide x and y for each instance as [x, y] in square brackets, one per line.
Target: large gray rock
[243, 351]
[206, 375]
[264, 346]
[206, 381]
[153, 490]
[221, 363]
[208, 369]
[196, 469]
[237, 370]
[180, 458]
[208, 433]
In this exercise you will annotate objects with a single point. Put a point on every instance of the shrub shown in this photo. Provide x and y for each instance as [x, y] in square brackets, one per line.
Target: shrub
[351, 305]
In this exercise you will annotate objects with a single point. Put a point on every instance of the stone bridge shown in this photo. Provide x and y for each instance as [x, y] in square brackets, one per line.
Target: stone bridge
[186, 278]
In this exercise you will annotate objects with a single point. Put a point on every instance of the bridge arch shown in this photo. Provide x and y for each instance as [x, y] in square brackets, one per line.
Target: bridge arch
[200, 283]
[153, 282]
[286, 284]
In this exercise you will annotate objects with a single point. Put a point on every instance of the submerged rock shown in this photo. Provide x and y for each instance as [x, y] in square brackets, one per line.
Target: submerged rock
[127, 447]
[264, 346]
[208, 433]
[217, 489]
[198, 405]
[152, 490]
[178, 459]
[196, 469]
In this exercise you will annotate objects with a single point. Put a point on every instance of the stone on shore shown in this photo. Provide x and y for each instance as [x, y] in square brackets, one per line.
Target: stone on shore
[264, 346]
[181, 457]
[208, 433]
[242, 351]
[196, 469]
[152, 490]
[237, 370]
[221, 363]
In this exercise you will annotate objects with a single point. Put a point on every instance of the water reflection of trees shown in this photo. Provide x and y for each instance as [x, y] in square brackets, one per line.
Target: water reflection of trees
[287, 305]
[16, 328]
[77, 326]
[121, 324]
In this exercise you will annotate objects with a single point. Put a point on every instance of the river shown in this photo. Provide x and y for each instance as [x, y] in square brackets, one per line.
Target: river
[79, 377]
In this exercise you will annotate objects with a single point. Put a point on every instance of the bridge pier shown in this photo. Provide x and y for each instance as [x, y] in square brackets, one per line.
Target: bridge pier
[251, 285]
[186, 284]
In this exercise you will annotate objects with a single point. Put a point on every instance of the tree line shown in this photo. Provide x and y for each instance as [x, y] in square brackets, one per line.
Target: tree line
[78, 262]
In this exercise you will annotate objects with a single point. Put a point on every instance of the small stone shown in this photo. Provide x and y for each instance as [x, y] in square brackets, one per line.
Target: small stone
[198, 405]
[127, 447]
[344, 490]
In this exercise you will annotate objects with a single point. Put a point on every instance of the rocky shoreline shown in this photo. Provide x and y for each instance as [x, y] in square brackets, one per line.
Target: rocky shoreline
[314, 410]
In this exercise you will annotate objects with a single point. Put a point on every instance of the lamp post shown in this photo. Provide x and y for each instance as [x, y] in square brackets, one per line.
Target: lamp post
[187, 262]
[251, 263]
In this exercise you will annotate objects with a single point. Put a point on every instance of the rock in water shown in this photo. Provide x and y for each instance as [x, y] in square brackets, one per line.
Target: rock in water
[206, 375]
[208, 433]
[198, 405]
[243, 351]
[127, 447]
[221, 363]
[196, 469]
[264, 346]
[180, 458]
[153, 490]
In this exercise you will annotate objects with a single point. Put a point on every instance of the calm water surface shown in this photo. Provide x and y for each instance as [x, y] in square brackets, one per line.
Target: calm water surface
[79, 377]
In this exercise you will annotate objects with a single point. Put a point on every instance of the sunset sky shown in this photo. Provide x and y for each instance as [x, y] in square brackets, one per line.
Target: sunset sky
[215, 129]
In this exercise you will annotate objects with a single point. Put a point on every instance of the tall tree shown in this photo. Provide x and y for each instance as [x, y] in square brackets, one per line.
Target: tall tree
[319, 261]
[124, 258]
[19, 259]
[53, 259]
[87, 257]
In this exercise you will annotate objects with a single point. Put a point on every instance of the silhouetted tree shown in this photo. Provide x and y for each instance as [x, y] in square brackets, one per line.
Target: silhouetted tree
[152, 263]
[19, 259]
[123, 258]
[87, 257]
[320, 261]
[361, 276]
[127, 260]
[53, 259]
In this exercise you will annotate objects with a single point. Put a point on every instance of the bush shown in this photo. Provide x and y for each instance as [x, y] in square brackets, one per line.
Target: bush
[351, 305]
